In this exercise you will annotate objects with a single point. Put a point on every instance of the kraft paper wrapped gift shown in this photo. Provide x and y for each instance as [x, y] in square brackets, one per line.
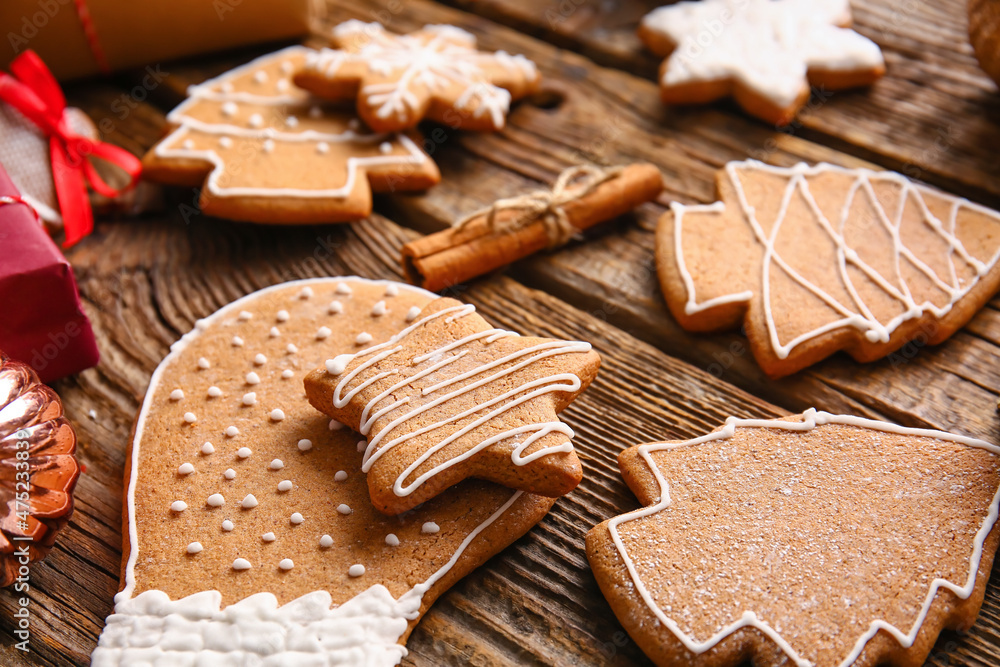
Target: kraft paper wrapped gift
[41, 320]
[83, 37]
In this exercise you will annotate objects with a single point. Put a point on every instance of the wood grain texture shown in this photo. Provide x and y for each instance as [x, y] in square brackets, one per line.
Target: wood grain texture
[144, 282]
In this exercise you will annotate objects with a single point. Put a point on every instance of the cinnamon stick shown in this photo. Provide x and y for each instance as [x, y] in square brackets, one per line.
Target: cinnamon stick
[455, 255]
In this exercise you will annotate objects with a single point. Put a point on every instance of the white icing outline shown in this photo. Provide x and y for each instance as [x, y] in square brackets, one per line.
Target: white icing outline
[435, 63]
[769, 46]
[810, 420]
[206, 604]
[864, 321]
[203, 91]
[567, 382]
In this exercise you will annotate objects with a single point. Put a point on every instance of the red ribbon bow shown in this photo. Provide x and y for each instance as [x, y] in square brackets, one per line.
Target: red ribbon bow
[34, 92]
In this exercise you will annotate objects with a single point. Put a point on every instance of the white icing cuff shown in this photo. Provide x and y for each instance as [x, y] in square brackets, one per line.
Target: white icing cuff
[152, 629]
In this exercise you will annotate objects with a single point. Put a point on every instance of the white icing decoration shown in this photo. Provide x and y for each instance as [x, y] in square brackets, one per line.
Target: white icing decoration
[276, 464]
[241, 564]
[392, 540]
[306, 293]
[435, 58]
[268, 537]
[766, 45]
[244, 452]
[379, 309]
[214, 392]
[252, 378]
[185, 469]
[232, 431]
[340, 476]
[250, 398]
[858, 314]
[323, 333]
[335, 307]
[335, 425]
[322, 148]
[287, 373]
[274, 332]
[286, 564]
[343, 288]
[362, 445]
[385, 148]
[291, 121]
[282, 316]
[229, 109]
[245, 316]
[207, 448]
[190, 417]
[429, 528]
[440, 359]
[412, 314]
[363, 338]
[326, 541]
[249, 502]
[305, 445]
[277, 415]
[195, 548]
[188, 144]
[237, 341]
[225, 142]
[260, 76]
[291, 349]
[259, 360]
[285, 485]
[229, 474]
[290, 101]
[811, 419]
[227, 525]
[338, 364]
[176, 395]
[215, 500]
[356, 570]
[391, 290]
[178, 506]
[204, 364]
[344, 509]
[296, 518]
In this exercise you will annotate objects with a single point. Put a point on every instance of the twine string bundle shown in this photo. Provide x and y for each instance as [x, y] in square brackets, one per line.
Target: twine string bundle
[573, 184]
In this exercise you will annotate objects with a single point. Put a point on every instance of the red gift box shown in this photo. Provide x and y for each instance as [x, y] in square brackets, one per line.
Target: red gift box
[41, 320]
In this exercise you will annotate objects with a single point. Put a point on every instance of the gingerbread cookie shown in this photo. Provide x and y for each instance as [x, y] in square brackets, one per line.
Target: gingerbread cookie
[249, 536]
[764, 53]
[817, 540]
[268, 152]
[815, 259]
[451, 397]
[435, 72]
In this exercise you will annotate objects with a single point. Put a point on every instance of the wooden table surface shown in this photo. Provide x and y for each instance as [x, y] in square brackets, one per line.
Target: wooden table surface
[144, 281]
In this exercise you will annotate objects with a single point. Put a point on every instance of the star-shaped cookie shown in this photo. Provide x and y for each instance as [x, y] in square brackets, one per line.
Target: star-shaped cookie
[816, 541]
[435, 72]
[267, 151]
[451, 397]
[765, 53]
[815, 259]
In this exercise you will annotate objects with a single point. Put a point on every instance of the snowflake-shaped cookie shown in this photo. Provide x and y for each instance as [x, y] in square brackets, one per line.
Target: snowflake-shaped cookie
[813, 259]
[267, 151]
[765, 53]
[435, 72]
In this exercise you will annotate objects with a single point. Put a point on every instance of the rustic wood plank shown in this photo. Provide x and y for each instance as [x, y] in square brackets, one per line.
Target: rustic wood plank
[610, 117]
[934, 116]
